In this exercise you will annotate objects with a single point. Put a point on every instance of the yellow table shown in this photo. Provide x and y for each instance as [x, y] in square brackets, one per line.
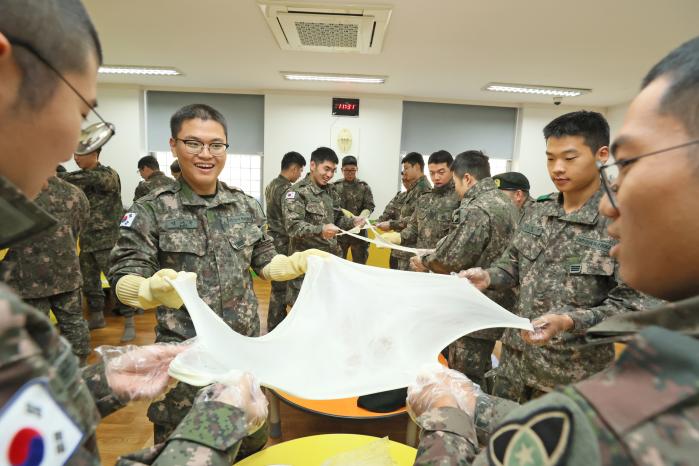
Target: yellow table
[314, 450]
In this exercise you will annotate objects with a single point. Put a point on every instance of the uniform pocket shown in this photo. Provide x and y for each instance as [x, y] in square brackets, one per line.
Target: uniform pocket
[528, 244]
[243, 237]
[591, 279]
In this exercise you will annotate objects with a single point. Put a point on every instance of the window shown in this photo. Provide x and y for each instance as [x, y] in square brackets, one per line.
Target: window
[244, 171]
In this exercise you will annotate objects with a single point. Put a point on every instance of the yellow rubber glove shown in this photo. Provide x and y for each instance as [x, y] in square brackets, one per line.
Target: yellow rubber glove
[347, 213]
[148, 293]
[392, 237]
[282, 268]
[365, 213]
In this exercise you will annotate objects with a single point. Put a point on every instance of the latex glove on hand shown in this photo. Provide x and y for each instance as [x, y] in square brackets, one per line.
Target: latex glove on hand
[242, 391]
[329, 231]
[547, 327]
[282, 268]
[417, 265]
[477, 276]
[392, 237]
[365, 214]
[438, 387]
[139, 372]
[147, 293]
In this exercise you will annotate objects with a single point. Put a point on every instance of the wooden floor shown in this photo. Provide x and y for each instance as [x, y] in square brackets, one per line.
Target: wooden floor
[129, 429]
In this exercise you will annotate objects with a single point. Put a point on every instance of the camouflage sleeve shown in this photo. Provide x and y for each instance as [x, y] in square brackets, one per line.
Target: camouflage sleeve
[619, 300]
[463, 246]
[368, 201]
[81, 214]
[391, 211]
[263, 251]
[96, 381]
[490, 411]
[79, 178]
[295, 218]
[346, 223]
[448, 438]
[408, 234]
[210, 434]
[141, 190]
[136, 250]
[504, 272]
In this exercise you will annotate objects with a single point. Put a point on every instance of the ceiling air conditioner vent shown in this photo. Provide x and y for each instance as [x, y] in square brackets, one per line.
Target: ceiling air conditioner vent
[327, 28]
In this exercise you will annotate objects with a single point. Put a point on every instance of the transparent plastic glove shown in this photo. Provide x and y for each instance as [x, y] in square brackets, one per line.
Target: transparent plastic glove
[437, 386]
[283, 267]
[417, 265]
[139, 372]
[392, 237]
[329, 231]
[384, 226]
[546, 328]
[477, 276]
[242, 390]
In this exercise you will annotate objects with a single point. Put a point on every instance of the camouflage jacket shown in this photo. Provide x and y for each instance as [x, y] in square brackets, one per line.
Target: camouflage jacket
[405, 203]
[219, 238]
[210, 435]
[391, 213]
[307, 207]
[355, 196]
[156, 181]
[483, 226]
[644, 410]
[102, 187]
[47, 264]
[432, 217]
[526, 207]
[274, 198]
[561, 264]
[31, 349]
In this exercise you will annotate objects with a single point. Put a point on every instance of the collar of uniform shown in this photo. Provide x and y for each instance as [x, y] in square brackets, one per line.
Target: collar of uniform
[483, 186]
[21, 218]
[315, 188]
[282, 178]
[415, 183]
[587, 214]
[444, 189]
[189, 197]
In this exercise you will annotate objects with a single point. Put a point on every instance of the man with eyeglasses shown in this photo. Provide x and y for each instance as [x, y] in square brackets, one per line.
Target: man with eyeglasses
[357, 200]
[198, 225]
[645, 408]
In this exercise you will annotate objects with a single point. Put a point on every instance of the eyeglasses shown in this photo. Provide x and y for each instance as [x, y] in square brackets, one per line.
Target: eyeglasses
[93, 136]
[610, 173]
[349, 170]
[194, 147]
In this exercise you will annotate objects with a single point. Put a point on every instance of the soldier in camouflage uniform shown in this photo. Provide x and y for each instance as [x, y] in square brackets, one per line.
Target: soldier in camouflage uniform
[153, 178]
[398, 212]
[432, 217]
[356, 198]
[312, 213]
[516, 186]
[292, 167]
[483, 226]
[198, 225]
[559, 258]
[102, 186]
[644, 410]
[45, 271]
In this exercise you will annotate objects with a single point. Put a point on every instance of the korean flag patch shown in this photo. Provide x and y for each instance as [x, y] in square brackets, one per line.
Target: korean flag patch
[35, 430]
[291, 195]
[127, 219]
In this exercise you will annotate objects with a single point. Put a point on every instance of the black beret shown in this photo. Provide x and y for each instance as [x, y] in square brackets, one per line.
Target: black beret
[512, 181]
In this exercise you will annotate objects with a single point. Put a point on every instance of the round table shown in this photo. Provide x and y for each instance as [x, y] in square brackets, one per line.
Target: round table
[316, 449]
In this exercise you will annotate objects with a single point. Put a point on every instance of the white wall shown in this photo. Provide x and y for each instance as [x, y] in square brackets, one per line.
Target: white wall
[303, 123]
[615, 117]
[123, 106]
[530, 147]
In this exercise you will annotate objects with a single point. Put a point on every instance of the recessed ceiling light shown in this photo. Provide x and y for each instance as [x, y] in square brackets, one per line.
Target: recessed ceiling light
[537, 90]
[335, 78]
[139, 70]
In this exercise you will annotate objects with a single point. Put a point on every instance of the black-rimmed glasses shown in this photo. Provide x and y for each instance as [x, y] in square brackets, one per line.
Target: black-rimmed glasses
[609, 173]
[93, 136]
[194, 147]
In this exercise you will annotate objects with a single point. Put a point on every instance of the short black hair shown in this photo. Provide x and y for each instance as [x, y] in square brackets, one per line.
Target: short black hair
[175, 167]
[61, 169]
[349, 160]
[414, 158]
[473, 162]
[592, 126]
[292, 158]
[194, 111]
[681, 99]
[148, 161]
[324, 154]
[60, 31]
[441, 156]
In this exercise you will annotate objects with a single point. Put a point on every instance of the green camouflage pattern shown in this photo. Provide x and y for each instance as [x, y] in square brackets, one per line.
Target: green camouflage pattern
[156, 181]
[274, 197]
[404, 203]
[355, 197]
[68, 309]
[561, 263]
[102, 187]
[92, 264]
[432, 217]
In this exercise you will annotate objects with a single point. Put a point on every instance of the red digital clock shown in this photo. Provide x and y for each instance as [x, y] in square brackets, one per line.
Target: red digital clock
[345, 107]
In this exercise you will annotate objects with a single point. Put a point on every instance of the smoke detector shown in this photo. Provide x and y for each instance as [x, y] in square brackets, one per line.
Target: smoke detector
[327, 28]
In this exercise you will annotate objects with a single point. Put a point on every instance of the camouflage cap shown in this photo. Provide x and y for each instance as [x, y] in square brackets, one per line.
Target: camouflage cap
[511, 181]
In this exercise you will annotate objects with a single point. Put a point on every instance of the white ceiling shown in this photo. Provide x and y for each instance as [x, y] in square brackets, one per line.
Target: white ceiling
[434, 49]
